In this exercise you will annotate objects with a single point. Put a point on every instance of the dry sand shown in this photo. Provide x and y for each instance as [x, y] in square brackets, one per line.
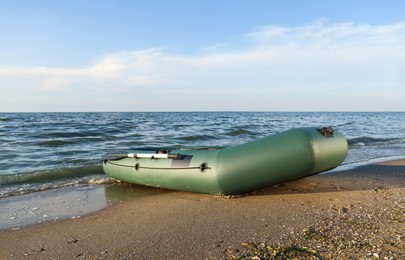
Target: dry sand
[356, 214]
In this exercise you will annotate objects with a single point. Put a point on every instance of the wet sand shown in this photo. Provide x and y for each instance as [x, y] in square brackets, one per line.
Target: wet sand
[357, 213]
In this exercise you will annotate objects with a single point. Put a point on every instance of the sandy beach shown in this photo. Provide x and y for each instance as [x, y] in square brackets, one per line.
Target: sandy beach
[356, 213]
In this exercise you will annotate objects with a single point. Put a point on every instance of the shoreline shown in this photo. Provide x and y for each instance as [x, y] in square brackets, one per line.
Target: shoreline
[63, 203]
[309, 214]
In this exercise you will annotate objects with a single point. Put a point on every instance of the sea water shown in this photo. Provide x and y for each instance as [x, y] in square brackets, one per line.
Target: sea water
[40, 151]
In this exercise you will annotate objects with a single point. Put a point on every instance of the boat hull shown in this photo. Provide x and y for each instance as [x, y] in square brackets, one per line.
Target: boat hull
[286, 156]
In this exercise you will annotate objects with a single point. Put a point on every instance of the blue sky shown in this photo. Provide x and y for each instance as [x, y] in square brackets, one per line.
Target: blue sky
[202, 55]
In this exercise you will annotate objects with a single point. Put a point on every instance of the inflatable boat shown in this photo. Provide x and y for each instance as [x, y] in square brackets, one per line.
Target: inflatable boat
[282, 157]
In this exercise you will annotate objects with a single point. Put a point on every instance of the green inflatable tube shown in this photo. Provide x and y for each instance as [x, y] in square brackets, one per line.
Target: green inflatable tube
[286, 156]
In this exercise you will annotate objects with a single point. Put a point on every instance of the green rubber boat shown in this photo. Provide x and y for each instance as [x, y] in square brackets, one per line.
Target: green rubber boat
[282, 157]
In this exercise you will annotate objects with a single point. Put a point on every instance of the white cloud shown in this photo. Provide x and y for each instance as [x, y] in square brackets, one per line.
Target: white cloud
[284, 68]
[215, 47]
[322, 35]
[54, 83]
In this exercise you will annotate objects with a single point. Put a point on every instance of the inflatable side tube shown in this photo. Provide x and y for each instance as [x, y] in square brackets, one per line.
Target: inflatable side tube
[282, 157]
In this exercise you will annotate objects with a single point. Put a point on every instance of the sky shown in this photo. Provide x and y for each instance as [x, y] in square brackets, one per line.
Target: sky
[202, 55]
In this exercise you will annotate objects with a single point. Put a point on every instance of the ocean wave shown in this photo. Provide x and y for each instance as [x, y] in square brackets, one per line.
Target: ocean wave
[345, 124]
[13, 190]
[197, 138]
[54, 143]
[370, 141]
[238, 132]
[49, 133]
[6, 119]
[51, 175]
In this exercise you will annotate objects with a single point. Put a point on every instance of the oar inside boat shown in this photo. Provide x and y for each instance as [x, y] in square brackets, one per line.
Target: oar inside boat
[118, 156]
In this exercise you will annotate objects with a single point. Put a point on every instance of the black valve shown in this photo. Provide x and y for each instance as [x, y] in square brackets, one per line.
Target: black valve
[326, 131]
